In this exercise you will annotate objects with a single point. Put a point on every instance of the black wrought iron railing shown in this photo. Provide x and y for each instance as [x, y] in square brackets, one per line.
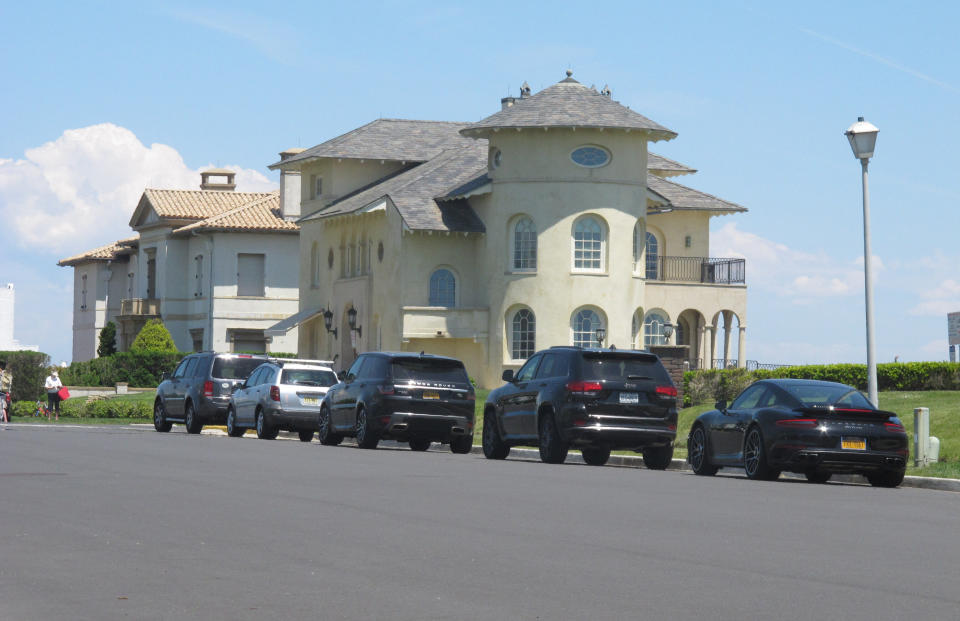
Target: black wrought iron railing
[697, 269]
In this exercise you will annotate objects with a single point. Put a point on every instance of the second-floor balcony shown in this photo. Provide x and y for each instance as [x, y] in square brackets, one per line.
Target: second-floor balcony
[140, 306]
[697, 269]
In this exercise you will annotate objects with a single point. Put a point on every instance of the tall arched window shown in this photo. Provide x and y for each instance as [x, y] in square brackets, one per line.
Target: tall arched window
[588, 244]
[653, 329]
[443, 288]
[524, 246]
[584, 325]
[652, 261]
[524, 334]
[680, 332]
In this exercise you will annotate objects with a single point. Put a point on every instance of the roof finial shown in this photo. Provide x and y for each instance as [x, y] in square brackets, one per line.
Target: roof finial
[569, 73]
[606, 91]
[525, 90]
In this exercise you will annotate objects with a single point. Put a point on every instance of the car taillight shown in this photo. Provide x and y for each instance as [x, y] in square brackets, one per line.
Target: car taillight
[386, 389]
[275, 393]
[894, 427]
[208, 388]
[798, 422]
[666, 391]
[471, 396]
[586, 389]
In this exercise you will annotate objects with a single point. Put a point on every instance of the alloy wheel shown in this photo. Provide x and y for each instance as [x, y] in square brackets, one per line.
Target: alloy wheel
[697, 448]
[751, 453]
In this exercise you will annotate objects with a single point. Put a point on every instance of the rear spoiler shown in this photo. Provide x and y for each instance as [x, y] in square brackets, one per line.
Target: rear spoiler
[832, 411]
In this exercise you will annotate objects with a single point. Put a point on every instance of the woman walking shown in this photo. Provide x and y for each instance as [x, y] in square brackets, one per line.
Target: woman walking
[53, 386]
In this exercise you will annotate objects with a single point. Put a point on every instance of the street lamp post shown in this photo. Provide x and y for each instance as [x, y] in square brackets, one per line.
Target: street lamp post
[863, 137]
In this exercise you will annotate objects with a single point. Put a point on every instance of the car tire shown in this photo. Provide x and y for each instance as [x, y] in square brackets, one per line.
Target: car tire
[890, 478]
[325, 432]
[234, 430]
[160, 417]
[755, 457]
[265, 431]
[461, 445]
[553, 450]
[493, 445]
[595, 456]
[190, 419]
[699, 455]
[817, 476]
[658, 457]
[418, 444]
[305, 436]
[366, 437]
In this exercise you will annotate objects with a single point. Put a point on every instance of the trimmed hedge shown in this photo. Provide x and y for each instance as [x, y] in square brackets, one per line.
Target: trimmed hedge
[83, 408]
[141, 369]
[716, 384]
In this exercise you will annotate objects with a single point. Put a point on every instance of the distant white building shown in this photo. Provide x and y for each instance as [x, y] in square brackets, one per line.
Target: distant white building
[7, 342]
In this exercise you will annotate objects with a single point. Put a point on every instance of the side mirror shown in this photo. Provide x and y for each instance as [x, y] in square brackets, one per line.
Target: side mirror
[341, 375]
[721, 405]
[508, 375]
[165, 376]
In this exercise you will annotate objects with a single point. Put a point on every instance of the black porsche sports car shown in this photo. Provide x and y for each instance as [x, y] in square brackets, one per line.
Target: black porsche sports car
[804, 426]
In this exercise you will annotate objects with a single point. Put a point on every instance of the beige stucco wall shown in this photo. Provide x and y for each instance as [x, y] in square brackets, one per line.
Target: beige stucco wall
[340, 177]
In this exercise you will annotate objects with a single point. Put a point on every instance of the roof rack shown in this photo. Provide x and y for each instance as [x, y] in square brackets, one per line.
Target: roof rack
[282, 361]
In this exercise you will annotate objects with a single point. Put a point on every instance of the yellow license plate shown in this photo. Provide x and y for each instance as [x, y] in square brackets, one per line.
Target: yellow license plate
[857, 444]
[310, 401]
[431, 394]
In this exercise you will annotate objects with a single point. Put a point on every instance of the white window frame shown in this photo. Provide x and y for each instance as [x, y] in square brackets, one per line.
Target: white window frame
[523, 341]
[576, 326]
[523, 245]
[430, 292]
[653, 328]
[591, 246]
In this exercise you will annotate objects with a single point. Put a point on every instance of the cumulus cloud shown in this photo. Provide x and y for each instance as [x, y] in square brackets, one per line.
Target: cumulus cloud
[79, 191]
[790, 273]
[943, 299]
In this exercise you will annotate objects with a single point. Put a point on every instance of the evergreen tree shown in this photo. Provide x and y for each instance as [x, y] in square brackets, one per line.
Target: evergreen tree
[108, 340]
[154, 336]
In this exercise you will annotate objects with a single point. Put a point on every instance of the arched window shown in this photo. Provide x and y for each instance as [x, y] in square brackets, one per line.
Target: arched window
[524, 246]
[588, 244]
[653, 330]
[524, 341]
[680, 334]
[652, 261]
[443, 288]
[585, 323]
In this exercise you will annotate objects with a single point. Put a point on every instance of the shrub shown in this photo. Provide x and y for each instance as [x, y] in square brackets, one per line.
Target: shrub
[154, 336]
[108, 340]
[29, 369]
[141, 369]
[107, 407]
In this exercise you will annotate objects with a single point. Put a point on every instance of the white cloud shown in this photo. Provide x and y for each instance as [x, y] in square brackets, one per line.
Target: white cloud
[943, 299]
[795, 274]
[79, 191]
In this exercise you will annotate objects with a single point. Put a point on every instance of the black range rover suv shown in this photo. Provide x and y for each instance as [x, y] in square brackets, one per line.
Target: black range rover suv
[414, 398]
[596, 400]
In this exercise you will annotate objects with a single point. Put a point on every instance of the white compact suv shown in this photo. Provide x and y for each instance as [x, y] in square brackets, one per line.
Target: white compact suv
[282, 393]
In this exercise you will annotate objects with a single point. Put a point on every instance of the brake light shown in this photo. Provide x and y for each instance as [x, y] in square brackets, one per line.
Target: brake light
[471, 396]
[894, 427]
[208, 388]
[244, 356]
[666, 391]
[798, 422]
[386, 389]
[275, 393]
[587, 389]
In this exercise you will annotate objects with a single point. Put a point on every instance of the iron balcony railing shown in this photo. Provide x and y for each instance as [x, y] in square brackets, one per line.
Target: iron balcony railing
[697, 269]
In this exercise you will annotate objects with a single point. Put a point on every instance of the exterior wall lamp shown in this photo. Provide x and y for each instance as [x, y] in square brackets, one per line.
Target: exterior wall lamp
[667, 332]
[352, 321]
[328, 322]
[601, 334]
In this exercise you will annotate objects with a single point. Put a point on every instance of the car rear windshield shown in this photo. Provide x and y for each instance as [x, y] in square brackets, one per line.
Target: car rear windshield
[825, 394]
[235, 367]
[424, 370]
[606, 366]
[309, 377]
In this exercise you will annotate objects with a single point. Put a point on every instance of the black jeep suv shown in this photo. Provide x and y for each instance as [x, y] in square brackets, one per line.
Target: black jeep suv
[416, 398]
[198, 391]
[596, 400]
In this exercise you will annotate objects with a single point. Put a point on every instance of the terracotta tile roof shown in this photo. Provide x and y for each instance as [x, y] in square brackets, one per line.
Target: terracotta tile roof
[109, 252]
[568, 104]
[259, 215]
[197, 204]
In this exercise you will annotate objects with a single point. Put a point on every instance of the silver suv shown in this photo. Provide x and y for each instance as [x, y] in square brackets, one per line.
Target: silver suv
[283, 393]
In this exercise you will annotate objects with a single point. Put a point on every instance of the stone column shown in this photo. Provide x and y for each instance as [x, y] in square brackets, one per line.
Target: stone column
[710, 349]
[742, 348]
[727, 320]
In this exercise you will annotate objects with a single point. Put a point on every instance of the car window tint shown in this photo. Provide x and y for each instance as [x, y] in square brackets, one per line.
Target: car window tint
[254, 377]
[375, 368]
[609, 366]
[553, 365]
[269, 374]
[234, 367]
[775, 399]
[355, 368]
[181, 368]
[191, 369]
[750, 398]
[309, 377]
[527, 371]
[428, 370]
[828, 394]
[203, 365]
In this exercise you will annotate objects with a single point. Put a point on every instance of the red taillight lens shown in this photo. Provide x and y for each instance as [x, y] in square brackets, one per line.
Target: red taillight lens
[667, 391]
[806, 423]
[386, 389]
[208, 388]
[590, 389]
[471, 396]
[275, 393]
[894, 427]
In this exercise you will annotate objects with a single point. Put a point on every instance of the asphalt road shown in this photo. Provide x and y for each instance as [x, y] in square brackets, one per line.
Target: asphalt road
[110, 523]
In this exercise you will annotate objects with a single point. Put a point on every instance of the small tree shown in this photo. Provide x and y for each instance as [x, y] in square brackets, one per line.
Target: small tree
[154, 336]
[108, 340]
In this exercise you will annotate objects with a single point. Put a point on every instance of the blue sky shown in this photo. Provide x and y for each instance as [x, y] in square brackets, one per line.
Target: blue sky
[102, 99]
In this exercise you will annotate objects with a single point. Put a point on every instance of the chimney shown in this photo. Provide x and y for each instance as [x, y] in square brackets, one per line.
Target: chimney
[227, 186]
[289, 187]
[506, 102]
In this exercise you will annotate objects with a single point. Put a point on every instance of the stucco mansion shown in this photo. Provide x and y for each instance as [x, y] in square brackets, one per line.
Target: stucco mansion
[547, 223]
